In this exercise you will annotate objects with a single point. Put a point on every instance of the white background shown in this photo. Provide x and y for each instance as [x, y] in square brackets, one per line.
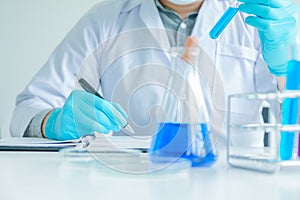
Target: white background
[29, 32]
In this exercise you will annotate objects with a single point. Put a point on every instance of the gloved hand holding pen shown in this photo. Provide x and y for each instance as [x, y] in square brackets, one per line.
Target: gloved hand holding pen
[82, 114]
[276, 21]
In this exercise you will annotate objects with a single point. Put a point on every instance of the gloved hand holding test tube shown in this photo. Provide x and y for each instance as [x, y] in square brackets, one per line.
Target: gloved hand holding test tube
[276, 22]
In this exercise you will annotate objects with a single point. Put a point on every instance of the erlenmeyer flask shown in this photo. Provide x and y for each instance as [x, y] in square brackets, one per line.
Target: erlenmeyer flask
[183, 129]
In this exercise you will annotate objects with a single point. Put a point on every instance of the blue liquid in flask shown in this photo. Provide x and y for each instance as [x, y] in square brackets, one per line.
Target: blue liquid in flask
[223, 22]
[174, 140]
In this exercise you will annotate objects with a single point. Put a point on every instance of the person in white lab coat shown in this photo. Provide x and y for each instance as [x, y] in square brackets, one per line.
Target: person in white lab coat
[119, 47]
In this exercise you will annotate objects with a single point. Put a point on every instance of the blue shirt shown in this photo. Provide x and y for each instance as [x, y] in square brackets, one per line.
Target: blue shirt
[177, 29]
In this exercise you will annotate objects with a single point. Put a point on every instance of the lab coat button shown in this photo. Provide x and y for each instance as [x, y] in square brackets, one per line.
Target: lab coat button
[183, 25]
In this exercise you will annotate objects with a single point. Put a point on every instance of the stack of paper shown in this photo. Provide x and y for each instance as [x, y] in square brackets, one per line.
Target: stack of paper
[35, 144]
[101, 142]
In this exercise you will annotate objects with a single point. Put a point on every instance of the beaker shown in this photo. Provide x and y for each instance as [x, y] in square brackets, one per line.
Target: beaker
[183, 129]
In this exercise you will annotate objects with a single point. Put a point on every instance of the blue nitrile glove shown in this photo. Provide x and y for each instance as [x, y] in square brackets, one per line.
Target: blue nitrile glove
[276, 21]
[82, 114]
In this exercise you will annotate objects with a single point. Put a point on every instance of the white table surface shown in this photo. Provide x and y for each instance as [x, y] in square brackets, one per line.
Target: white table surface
[45, 175]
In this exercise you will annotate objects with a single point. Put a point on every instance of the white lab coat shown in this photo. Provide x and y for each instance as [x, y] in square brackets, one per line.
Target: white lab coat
[118, 47]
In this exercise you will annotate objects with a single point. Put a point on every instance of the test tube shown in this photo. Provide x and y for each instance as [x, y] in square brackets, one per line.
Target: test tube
[299, 145]
[221, 24]
[289, 110]
[299, 133]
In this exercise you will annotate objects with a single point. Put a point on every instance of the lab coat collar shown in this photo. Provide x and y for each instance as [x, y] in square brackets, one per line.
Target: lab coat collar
[150, 16]
[206, 17]
[130, 4]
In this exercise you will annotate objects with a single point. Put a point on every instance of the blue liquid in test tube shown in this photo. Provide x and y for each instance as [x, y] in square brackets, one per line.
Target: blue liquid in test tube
[290, 110]
[223, 21]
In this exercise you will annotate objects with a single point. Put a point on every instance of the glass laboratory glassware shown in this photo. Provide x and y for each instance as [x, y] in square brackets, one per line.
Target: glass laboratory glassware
[269, 144]
[290, 105]
[299, 132]
[224, 20]
[255, 143]
[183, 129]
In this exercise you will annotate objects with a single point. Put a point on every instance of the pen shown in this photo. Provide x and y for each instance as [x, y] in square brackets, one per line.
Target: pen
[88, 88]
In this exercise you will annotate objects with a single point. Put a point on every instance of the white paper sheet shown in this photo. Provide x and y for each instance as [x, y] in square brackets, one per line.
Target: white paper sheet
[34, 143]
[101, 142]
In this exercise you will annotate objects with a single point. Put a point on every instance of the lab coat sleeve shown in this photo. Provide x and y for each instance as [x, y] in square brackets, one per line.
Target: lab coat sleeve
[53, 83]
[34, 128]
[264, 81]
